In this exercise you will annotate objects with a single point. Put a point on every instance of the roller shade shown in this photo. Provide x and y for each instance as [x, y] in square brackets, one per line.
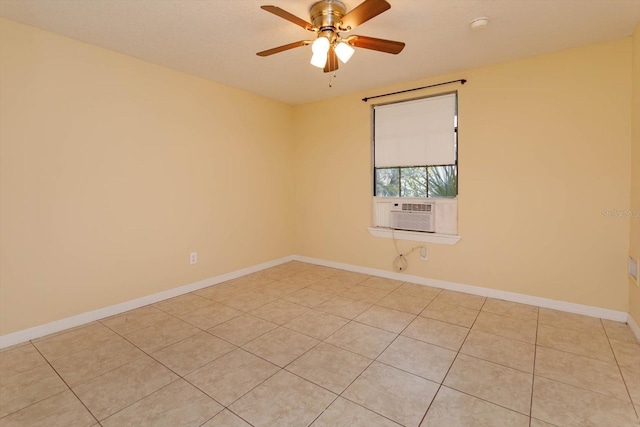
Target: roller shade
[412, 133]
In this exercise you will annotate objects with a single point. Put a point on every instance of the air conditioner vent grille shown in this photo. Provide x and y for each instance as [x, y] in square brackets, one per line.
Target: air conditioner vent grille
[417, 207]
[413, 217]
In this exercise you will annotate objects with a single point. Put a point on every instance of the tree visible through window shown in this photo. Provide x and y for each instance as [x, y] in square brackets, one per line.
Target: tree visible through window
[420, 181]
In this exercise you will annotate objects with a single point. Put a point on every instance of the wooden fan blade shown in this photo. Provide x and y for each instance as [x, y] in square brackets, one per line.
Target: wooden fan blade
[382, 45]
[288, 16]
[363, 12]
[332, 61]
[283, 48]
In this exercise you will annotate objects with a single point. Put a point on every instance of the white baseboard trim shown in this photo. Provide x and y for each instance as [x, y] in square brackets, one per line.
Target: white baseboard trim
[634, 327]
[602, 313]
[102, 313]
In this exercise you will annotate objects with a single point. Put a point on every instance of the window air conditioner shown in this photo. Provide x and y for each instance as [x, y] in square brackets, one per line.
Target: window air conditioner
[413, 217]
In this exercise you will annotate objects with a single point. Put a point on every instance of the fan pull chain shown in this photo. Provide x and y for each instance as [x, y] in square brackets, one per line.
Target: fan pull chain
[330, 78]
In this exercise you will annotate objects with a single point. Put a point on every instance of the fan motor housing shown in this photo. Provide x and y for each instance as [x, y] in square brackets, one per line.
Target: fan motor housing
[327, 14]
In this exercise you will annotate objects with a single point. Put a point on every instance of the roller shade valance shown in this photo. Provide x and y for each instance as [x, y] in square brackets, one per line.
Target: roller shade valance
[418, 132]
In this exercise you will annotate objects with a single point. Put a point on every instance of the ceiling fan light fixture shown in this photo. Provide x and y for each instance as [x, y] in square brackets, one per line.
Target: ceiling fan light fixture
[344, 52]
[328, 19]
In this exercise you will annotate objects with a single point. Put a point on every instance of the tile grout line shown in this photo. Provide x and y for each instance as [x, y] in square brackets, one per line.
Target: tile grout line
[149, 354]
[280, 369]
[369, 365]
[364, 407]
[578, 354]
[487, 401]
[551, 378]
[284, 368]
[104, 373]
[132, 361]
[452, 362]
[180, 377]
[624, 381]
[555, 380]
[533, 372]
[319, 342]
[66, 384]
[35, 403]
[223, 405]
[340, 395]
[458, 352]
[144, 397]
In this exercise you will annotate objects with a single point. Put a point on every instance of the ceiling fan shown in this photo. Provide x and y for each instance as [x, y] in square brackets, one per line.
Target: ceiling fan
[328, 20]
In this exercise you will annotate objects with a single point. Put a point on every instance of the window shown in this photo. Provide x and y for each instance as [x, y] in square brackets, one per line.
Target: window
[415, 146]
[416, 163]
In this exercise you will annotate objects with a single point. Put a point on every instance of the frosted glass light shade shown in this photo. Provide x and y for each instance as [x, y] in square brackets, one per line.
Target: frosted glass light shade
[319, 59]
[344, 51]
[320, 45]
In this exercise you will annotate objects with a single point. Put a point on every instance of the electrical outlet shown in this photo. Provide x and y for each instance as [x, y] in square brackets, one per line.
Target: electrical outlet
[193, 257]
[424, 255]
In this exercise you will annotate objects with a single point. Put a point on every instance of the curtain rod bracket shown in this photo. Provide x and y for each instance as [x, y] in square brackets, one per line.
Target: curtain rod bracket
[462, 81]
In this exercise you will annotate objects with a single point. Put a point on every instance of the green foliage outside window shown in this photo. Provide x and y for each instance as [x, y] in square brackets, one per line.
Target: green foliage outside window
[417, 181]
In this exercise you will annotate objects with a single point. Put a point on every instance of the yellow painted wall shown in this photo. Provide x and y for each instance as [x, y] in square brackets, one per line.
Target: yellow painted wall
[634, 233]
[543, 151]
[114, 169]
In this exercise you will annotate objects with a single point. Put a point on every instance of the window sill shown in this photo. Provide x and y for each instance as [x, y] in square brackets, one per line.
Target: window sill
[415, 236]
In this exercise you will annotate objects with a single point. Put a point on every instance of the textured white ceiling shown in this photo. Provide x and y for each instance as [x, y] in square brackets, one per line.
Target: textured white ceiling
[218, 39]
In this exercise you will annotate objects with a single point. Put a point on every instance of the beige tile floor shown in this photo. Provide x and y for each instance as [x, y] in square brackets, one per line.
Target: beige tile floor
[300, 345]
